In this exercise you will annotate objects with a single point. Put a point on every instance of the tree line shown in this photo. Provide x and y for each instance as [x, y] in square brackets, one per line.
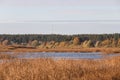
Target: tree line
[81, 39]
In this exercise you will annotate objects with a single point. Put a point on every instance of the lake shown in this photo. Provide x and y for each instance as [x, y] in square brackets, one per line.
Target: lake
[66, 55]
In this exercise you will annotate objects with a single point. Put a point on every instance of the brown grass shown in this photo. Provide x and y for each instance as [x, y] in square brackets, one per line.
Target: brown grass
[6, 56]
[25, 49]
[48, 69]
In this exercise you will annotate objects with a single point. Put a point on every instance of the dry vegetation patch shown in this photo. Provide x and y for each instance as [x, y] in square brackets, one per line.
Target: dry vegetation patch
[49, 69]
[6, 56]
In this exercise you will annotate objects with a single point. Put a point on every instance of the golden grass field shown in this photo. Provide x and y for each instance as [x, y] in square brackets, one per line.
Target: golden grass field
[49, 69]
[12, 68]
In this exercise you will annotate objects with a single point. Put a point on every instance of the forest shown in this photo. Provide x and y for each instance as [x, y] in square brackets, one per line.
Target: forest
[84, 40]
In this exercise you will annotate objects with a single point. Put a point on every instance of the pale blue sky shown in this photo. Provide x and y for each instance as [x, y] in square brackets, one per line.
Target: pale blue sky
[17, 16]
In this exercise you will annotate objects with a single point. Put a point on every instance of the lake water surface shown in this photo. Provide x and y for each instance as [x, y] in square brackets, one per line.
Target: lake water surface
[66, 55]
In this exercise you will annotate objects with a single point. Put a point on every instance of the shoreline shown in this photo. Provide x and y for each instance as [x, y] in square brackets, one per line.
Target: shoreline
[102, 50]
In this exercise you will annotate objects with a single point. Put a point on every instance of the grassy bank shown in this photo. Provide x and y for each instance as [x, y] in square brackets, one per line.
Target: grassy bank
[17, 49]
[48, 69]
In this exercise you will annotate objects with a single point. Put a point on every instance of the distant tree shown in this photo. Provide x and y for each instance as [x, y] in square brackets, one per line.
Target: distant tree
[34, 43]
[62, 44]
[87, 44]
[116, 36]
[106, 43]
[114, 43]
[97, 44]
[29, 43]
[76, 41]
[84, 44]
[5, 42]
[90, 44]
[19, 39]
[56, 44]
[50, 44]
[118, 43]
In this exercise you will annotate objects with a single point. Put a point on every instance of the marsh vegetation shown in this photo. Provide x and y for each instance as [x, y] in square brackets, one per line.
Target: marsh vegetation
[49, 69]
[14, 68]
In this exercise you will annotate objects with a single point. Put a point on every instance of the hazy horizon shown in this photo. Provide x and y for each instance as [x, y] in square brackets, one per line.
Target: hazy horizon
[60, 28]
[59, 16]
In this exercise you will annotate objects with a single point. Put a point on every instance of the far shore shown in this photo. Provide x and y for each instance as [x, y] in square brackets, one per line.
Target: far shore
[23, 49]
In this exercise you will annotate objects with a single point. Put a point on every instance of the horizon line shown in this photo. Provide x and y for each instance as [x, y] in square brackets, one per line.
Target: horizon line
[60, 34]
[27, 21]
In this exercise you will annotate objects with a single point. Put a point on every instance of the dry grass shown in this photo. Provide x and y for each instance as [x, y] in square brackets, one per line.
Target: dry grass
[103, 50]
[6, 56]
[48, 69]
[23, 49]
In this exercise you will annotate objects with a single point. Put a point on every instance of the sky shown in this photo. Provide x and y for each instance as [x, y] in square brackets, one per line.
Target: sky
[59, 16]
